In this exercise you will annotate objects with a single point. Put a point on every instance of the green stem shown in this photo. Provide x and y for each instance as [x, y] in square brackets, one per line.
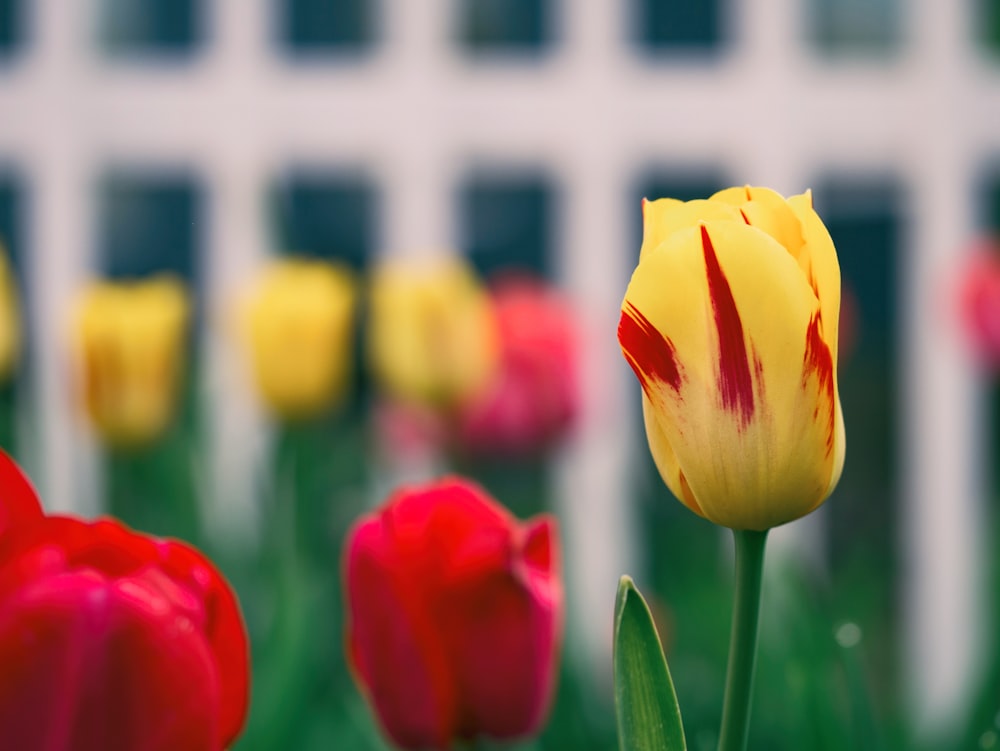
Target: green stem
[742, 640]
[288, 511]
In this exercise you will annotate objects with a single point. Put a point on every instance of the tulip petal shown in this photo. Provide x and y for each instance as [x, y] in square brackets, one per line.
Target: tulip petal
[129, 352]
[398, 653]
[91, 663]
[506, 686]
[749, 415]
[664, 216]
[18, 501]
[184, 576]
[767, 210]
[502, 641]
[298, 327]
[839, 451]
[665, 460]
[818, 261]
[224, 630]
[735, 196]
[432, 335]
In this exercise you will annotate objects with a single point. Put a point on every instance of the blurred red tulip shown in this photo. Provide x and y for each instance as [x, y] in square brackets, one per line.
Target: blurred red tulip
[454, 616]
[18, 502]
[111, 640]
[534, 395]
[979, 299]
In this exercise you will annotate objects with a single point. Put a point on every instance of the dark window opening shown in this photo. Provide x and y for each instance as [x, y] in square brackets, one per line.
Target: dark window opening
[169, 29]
[507, 223]
[328, 216]
[326, 27]
[520, 27]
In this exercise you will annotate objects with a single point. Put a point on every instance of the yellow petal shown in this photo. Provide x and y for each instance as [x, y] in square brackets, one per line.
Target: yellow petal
[739, 382]
[839, 447]
[736, 196]
[10, 326]
[766, 209]
[432, 331]
[818, 261]
[663, 217]
[665, 460]
[299, 330]
[130, 347]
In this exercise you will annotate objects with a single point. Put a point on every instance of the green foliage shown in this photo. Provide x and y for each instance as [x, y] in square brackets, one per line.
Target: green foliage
[8, 416]
[154, 488]
[645, 703]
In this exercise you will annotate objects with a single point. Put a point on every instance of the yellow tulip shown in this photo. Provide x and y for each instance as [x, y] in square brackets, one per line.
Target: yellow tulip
[300, 320]
[10, 325]
[130, 341]
[433, 334]
[730, 324]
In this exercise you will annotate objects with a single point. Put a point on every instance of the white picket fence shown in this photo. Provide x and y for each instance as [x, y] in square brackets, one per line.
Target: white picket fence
[593, 114]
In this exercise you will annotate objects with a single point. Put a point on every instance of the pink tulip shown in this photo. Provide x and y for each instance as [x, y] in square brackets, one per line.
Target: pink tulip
[534, 397]
[979, 300]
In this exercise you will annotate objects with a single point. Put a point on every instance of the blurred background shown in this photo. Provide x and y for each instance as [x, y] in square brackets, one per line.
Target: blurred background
[202, 138]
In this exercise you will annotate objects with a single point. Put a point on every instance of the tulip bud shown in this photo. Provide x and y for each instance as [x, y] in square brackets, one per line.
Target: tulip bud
[454, 616]
[979, 301]
[533, 396]
[10, 327]
[299, 325]
[130, 351]
[432, 335]
[113, 640]
[730, 324]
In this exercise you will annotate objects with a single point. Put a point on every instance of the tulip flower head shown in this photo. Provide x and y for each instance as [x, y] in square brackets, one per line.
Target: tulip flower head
[454, 616]
[111, 640]
[432, 333]
[299, 329]
[10, 327]
[979, 300]
[533, 397]
[130, 342]
[730, 324]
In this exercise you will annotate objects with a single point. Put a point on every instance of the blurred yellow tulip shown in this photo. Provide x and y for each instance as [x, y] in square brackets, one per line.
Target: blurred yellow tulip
[433, 335]
[299, 325]
[730, 324]
[130, 341]
[10, 323]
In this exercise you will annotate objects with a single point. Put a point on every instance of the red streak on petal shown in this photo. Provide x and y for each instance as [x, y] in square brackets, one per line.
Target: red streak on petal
[746, 219]
[650, 353]
[758, 370]
[813, 283]
[734, 380]
[818, 362]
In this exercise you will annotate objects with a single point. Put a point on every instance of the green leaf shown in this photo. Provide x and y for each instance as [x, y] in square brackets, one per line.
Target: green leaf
[645, 703]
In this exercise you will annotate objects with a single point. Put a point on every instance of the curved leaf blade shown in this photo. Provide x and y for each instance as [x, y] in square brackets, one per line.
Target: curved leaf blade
[645, 703]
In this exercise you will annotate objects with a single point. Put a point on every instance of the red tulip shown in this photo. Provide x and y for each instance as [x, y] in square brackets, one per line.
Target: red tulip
[18, 502]
[455, 616]
[534, 395]
[979, 295]
[111, 640]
